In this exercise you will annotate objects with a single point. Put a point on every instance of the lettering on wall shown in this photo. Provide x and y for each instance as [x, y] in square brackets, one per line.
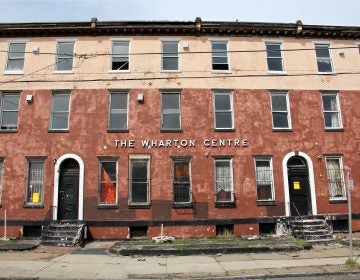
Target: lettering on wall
[180, 143]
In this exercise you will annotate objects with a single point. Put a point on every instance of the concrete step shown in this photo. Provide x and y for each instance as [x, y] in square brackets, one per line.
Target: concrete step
[65, 234]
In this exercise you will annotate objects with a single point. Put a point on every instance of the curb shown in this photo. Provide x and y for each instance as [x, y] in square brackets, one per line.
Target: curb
[156, 251]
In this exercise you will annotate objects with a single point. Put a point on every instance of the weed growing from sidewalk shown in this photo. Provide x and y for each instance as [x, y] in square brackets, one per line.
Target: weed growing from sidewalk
[352, 263]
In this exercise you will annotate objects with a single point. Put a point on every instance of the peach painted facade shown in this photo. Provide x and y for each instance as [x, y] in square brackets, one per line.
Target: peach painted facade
[249, 83]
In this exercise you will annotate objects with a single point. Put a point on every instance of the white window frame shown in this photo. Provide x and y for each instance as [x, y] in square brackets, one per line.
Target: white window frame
[168, 111]
[147, 158]
[121, 111]
[170, 40]
[15, 72]
[280, 93]
[230, 94]
[31, 160]
[60, 92]
[225, 41]
[338, 111]
[339, 158]
[328, 44]
[101, 161]
[267, 159]
[120, 40]
[59, 41]
[230, 160]
[9, 128]
[181, 160]
[269, 42]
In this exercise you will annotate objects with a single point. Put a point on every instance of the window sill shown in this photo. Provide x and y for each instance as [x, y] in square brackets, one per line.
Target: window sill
[266, 203]
[119, 71]
[328, 129]
[14, 73]
[8, 131]
[108, 206]
[338, 200]
[224, 129]
[170, 71]
[327, 73]
[282, 130]
[182, 205]
[225, 204]
[63, 72]
[58, 131]
[118, 130]
[171, 130]
[221, 71]
[34, 206]
[139, 206]
[272, 72]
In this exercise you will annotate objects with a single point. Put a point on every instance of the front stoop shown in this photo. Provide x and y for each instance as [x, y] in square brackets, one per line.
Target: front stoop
[315, 230]
[64, 234]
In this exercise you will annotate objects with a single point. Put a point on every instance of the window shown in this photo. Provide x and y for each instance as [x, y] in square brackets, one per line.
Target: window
[64, 56]
[274, 56]
[335, 177]
[224, 190]
[264, 179]
[60, 110]
[1, 178]
[280, 110]
[219, 55]
[323, 58]
[35, 182]
[170, 55]
[223, 110]
[118, 111]
[332, 116]
[181, 181]
[108, 181]
[9, 111]
[171, 119]
[16, 57]
[120, 56]
[139, 180]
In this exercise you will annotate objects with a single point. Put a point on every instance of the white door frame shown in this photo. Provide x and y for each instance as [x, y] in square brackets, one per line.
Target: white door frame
[81, 185]
[310, 168]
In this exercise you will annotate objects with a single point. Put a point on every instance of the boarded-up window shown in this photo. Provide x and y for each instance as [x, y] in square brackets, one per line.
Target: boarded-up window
[108, 181]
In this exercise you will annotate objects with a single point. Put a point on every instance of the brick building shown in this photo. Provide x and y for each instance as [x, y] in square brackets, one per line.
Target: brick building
[197, 126]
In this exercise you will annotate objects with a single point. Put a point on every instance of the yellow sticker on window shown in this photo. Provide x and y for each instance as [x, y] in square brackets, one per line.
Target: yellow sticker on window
[296, 185]
[35, 197]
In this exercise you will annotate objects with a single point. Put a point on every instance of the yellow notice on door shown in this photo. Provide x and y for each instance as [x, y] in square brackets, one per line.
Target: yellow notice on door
[296, 185]
[35, 197]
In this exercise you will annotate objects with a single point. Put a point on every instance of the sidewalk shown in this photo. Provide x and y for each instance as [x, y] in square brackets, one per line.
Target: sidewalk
[94, 262]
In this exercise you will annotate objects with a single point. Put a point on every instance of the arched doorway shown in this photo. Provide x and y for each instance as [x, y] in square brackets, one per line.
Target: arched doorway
[301, 159]
[299, 187]
[68, 188]
[68, 197]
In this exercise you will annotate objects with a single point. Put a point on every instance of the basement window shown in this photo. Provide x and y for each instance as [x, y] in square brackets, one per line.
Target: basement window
[138, 232]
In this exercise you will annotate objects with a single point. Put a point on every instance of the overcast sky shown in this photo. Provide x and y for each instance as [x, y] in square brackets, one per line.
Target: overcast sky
[321, 12]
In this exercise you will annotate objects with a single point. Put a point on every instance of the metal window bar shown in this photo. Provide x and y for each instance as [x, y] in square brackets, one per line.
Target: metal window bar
[36, 182]
[224, 185]
[264, 184]
[181, 183]
[336, 182]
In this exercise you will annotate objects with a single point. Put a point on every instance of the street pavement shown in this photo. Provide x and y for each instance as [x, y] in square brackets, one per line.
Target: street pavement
[94, 262]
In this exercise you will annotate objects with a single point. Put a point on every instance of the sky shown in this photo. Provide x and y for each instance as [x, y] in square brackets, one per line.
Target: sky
[318, 12]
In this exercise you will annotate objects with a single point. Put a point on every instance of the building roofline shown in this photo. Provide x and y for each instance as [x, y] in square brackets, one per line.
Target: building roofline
[177, 28]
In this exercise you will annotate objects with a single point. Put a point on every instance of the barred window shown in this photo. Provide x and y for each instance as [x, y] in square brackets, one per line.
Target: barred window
[224, 189]
[335, 177]
[35, 182]
[264, 179]
[181, 181]
[108, 181]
